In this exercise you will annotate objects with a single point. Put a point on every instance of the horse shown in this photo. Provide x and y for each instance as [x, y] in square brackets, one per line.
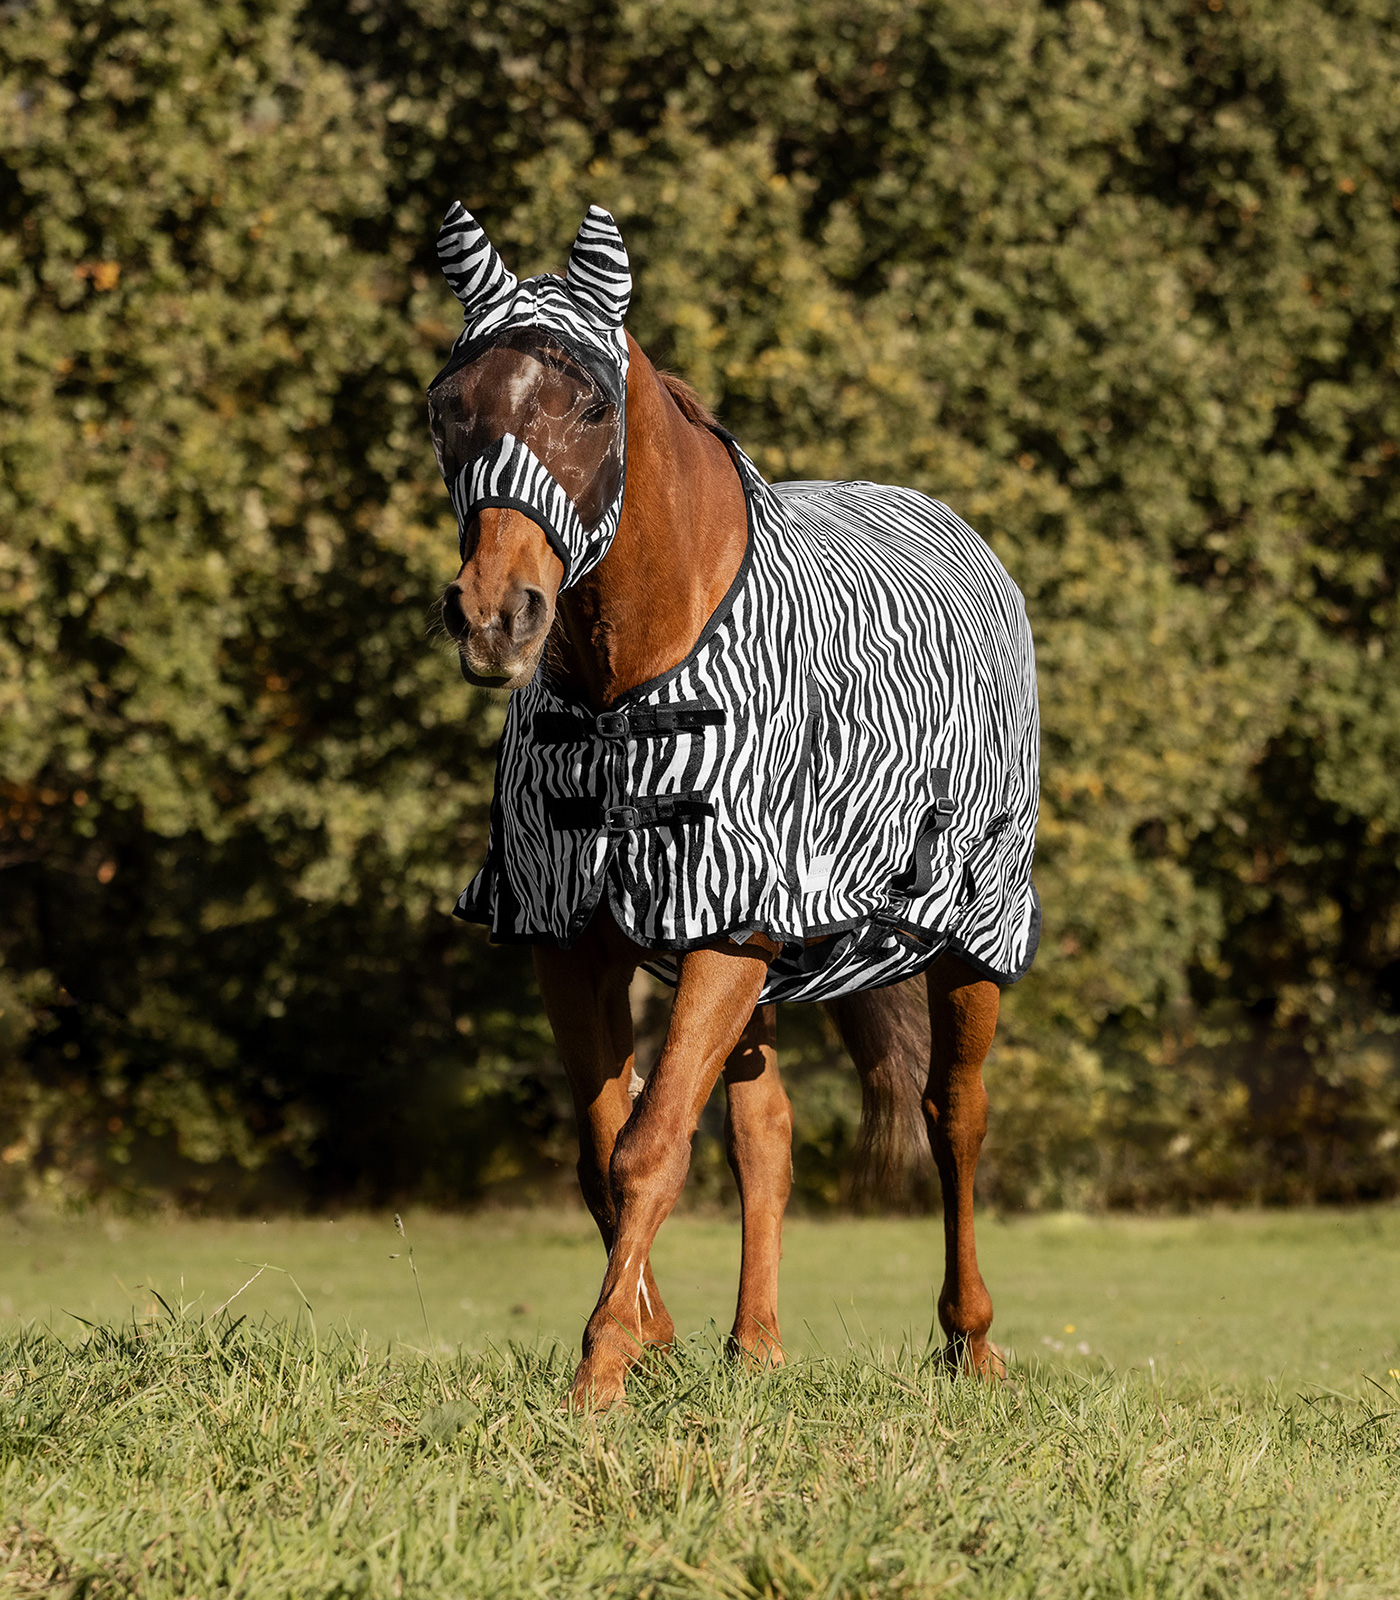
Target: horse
[671, 765]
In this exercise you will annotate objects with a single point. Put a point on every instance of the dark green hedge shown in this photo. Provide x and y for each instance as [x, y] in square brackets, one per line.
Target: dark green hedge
[1117, 281]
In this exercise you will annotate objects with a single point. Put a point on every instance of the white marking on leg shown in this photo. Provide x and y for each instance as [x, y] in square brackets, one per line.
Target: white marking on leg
[642, 1291]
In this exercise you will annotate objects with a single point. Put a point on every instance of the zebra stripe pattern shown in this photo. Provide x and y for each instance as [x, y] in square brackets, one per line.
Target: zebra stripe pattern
[475, 273]
[508, 473]
[872, 656]
[599, 272]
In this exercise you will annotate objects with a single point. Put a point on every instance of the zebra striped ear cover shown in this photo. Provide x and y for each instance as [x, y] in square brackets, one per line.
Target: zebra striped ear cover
[599, 275]
[599, 272]
[585, 312]
[475, 273]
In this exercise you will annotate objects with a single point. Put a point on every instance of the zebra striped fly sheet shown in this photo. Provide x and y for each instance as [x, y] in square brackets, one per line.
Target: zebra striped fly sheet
[847, 761]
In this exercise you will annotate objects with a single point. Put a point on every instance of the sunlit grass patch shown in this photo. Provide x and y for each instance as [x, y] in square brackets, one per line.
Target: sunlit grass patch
[1307, 1296]
[179, 1455]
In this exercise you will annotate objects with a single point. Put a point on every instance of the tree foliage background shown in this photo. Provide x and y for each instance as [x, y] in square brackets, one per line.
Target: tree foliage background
[1117, 281]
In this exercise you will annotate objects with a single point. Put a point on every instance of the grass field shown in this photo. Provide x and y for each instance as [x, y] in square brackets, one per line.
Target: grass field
[1199, 1406]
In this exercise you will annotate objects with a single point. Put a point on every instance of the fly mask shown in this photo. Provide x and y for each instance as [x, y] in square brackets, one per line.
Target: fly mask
[530, 412]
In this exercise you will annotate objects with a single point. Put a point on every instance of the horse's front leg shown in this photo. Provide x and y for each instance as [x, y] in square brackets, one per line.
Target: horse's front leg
[758, 1141]
[715, 996]
[585, 993]
[963, 1017]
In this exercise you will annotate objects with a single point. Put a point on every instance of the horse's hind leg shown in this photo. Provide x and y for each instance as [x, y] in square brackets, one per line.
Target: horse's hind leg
[758, 1140]
[963, 1018]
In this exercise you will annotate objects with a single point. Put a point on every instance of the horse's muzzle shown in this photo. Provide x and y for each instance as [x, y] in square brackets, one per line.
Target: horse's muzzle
[499, 650]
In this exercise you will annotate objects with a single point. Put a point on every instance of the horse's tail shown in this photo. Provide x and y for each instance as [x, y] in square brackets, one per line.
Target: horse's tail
[886, 1032]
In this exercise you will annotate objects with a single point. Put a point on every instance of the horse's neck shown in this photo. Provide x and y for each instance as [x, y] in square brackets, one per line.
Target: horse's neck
[679, 544]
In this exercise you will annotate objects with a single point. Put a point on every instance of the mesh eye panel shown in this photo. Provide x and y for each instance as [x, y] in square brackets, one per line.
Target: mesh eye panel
[529, 385]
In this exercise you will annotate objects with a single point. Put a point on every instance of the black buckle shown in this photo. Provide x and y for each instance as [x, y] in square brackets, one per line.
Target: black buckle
[611, 724]
[621, 819]
[945, 810]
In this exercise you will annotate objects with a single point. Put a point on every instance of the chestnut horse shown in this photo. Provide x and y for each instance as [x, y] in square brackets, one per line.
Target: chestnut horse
[679, 543]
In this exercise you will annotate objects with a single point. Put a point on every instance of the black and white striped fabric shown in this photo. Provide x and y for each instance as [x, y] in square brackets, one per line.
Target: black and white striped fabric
[509, 474]
[847, 761]
[584, 310]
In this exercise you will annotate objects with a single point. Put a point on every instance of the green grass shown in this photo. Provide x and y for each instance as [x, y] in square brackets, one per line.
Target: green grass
[1233, 1430]
[1297, 1295]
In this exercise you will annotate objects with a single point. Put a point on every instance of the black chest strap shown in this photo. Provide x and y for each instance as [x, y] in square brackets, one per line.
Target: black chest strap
[654, 811]
[636, 722]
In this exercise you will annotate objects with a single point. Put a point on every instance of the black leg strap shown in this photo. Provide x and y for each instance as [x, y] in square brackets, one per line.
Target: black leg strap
[654, 811]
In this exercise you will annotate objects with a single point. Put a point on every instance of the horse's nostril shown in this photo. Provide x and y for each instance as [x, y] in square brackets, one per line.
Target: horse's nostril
[454, 616]
[523, 615]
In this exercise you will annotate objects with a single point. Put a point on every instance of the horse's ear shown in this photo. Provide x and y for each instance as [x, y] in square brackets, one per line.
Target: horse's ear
[599, 272]
[477, 275]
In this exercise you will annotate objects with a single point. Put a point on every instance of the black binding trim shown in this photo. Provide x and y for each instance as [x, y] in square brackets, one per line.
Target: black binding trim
[633, 722]
[918, 880]
[529, 337]
[654, 811]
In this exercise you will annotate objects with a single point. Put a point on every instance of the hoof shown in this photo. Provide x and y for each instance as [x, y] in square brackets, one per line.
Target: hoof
[592, 1390]
[975, 1358]
[757, 1345]
[609, 1353]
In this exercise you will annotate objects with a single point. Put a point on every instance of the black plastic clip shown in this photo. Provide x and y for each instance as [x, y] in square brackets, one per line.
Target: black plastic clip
[918, 880]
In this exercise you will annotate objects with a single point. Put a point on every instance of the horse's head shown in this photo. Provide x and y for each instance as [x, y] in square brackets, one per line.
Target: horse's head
[529, 422]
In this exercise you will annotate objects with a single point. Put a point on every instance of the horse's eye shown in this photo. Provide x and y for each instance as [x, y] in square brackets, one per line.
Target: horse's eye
[597, 412]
